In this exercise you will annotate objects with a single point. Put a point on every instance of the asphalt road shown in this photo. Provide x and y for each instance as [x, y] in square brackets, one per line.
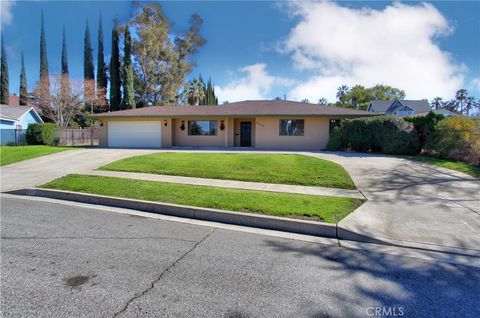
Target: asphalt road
[66, 261]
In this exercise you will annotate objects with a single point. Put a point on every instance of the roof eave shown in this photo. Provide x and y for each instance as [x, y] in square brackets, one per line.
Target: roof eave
[233, 116]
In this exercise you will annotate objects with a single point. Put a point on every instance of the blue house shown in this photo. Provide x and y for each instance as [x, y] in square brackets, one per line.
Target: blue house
[14, 121]
[399, 107]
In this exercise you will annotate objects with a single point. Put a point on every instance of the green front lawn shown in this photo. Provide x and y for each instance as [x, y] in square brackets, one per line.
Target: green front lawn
[323, 208]
[472, 170]
[12, 154]
[268, 168]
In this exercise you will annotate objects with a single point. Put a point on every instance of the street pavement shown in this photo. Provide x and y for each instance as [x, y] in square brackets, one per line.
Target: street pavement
[62, 260]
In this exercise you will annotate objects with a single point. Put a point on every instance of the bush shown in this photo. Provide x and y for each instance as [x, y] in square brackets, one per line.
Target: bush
[336, 142]
[457, 138]
[41, 134]
[425, 126]
[378, 134]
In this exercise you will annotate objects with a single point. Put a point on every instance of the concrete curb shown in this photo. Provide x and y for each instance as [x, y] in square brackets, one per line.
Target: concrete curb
[205, 214]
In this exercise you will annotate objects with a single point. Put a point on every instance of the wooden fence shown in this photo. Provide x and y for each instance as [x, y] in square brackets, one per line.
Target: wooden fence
[77, 136]
[12, 137]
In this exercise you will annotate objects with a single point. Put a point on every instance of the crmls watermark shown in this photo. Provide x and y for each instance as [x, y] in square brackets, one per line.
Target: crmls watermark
[383, 311]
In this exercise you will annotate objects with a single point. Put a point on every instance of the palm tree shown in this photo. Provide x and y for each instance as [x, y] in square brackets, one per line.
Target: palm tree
[461, 95]
[437, 103]
[470, 104]
[305, 100]
[342, 91]
[323, 101]
[194, 91]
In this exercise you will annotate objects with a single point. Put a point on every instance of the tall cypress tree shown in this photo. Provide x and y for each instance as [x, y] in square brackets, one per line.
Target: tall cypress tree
[101, 67]
[65, 82]
[64, 55]
[23, 100]
[128, 89]
[208, 92]
[4, 89]
[115, 81]
[43, 54]
[88, 68]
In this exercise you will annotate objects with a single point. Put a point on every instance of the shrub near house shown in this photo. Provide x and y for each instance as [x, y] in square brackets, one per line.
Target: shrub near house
[457, 138]
[379, 134]
[454, 138]
[41, 134]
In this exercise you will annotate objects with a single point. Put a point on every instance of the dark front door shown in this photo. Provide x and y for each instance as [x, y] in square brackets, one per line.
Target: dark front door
[245, 134]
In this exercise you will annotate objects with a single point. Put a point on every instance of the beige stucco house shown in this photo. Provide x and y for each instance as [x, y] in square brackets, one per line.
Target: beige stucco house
[260, 124]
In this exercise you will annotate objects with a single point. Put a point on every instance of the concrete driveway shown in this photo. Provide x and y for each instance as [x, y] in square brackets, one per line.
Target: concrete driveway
[412, 203]
[409, 203]
[32, 172]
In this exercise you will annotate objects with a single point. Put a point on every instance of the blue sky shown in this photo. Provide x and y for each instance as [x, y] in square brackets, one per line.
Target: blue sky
[262, 49]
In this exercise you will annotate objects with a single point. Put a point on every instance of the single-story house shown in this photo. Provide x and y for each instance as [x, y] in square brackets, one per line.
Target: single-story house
[14, 120]
[260, 124]
[399, 107]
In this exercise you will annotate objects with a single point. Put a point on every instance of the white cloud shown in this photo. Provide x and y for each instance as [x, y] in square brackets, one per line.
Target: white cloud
[6, 11]
[254, 83]
[475, 86]
[394, 46]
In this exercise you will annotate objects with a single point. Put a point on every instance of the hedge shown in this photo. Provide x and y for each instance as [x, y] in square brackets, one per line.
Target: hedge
[384, 134]
[41, 134]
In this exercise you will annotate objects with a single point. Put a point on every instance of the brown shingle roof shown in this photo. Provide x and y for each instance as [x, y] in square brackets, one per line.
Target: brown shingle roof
[251, 108]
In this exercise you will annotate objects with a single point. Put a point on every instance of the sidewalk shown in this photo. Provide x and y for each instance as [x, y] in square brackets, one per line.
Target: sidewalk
[259, 186]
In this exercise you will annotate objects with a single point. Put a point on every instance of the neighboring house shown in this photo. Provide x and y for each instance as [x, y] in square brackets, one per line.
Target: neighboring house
[399, 107]
[14, 120]
[260, 124]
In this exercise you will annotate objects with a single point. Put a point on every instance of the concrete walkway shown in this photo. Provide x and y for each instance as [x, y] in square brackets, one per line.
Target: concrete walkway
[233, 184]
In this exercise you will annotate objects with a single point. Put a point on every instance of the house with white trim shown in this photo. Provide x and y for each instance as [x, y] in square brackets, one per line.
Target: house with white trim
[14, 121]
[399, 107]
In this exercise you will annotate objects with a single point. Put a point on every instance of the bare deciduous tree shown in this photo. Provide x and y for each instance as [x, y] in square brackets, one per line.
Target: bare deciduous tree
[58, 100]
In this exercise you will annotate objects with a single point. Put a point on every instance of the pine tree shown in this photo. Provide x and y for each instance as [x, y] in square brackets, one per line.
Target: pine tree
[44, 76]
[23, 100]
[115, 81]
[128, 88]
[101, 67]
[64, 55]
[4, 89]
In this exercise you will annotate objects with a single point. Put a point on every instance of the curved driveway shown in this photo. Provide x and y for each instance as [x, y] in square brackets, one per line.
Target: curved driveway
[407, 201]
[412, 203]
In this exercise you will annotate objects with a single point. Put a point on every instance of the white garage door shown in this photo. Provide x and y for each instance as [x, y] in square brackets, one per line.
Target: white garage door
[134, 134]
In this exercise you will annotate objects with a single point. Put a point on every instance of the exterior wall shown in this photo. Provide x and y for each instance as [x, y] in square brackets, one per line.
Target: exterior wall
[316, 134]
[265, 133]
[28, 118]
[181, 137]
[230, 128]
[167, 132]
[6, 124]
[103, 135]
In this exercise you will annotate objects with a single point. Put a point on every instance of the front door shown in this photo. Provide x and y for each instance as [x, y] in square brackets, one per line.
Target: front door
[245, 134]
